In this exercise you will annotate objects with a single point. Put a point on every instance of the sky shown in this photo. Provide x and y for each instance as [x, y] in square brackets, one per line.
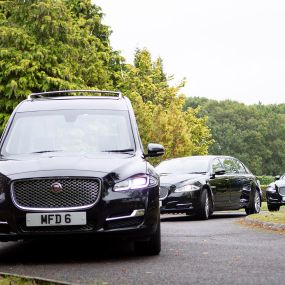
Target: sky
[226, 49]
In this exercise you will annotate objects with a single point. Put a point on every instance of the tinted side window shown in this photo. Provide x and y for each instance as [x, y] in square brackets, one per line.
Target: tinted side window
[240, 167]
[216, 164]
[229, 165]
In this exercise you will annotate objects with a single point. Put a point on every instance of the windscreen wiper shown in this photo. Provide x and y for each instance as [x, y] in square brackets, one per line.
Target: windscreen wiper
[198, 172]
[119, 150]
[44, 151]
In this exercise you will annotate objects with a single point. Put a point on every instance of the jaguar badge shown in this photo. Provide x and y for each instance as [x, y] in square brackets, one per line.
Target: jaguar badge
[56, 187]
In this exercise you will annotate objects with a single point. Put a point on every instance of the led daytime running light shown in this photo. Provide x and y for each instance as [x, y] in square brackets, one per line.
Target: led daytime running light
[133, 183]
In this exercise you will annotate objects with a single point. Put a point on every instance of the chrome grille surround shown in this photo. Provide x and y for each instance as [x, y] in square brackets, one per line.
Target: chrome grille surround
[163, 192]
[35, 194]
[282, 191]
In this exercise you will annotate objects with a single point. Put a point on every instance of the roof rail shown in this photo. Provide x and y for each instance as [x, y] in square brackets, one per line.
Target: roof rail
[62, 93]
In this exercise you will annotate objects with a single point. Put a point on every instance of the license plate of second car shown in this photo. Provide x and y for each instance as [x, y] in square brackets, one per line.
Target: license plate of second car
[55, 219]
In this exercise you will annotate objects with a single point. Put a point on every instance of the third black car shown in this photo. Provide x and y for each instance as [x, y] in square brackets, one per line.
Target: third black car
[201, 185]
[275, 194]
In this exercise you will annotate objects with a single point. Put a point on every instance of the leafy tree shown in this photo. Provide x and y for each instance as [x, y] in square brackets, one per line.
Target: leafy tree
[62, 44]
[159, 109]
[255, 134]
[52, 45]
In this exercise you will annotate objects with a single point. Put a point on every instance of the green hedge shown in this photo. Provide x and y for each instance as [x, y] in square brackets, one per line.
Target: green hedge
[263, 188]
[265, 180]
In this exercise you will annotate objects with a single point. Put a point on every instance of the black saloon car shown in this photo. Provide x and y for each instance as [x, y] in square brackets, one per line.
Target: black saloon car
[74, 165]
[275, 194]
[201, 185]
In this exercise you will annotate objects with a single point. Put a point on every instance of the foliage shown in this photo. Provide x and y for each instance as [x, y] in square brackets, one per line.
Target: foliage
[265, 180]
[49, 45]
[62, 44]
[255, 134]
[159, 110]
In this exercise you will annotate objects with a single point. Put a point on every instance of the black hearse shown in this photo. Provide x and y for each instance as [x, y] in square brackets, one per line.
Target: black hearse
[74, 165]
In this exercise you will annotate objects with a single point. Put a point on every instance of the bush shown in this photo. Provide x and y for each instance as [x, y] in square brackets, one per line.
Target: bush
[265, 180]
[263, 189]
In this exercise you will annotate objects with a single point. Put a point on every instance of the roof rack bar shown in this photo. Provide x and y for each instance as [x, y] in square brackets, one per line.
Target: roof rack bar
[61, 92]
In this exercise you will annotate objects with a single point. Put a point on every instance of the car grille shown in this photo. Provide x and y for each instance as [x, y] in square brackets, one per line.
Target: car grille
[37, 194]
[163, 192]
[282, 191]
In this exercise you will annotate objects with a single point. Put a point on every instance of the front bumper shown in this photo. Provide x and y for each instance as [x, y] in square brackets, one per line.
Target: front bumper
[275, 198]
[184, 202]
[127, 214]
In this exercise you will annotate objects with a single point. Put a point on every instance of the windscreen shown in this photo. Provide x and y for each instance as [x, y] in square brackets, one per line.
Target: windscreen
[184, 165]
[69, 131]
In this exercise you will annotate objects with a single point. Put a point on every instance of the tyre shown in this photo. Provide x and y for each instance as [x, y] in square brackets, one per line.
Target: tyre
[204, 209]
[255, 204]
[151, 246]
[273, 208]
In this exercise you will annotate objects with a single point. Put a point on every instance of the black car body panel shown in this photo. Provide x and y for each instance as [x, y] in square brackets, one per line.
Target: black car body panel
[129, 213]
[275, 192]
[227, 190]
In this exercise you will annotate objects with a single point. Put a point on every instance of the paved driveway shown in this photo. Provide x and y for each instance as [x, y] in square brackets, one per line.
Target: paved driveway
[217, 251]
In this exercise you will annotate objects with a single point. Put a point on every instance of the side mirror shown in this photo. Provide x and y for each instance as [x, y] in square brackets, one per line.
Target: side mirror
[220, 171]
[154, 150]
[277, 177]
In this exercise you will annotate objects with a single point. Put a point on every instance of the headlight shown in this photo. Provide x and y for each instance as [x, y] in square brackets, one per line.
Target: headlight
[271, 189]
[136, 182]
[187, 188]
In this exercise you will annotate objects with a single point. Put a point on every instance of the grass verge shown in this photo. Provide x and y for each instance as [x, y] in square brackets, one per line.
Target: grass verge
[270, 221]
[270, 217]
[15, 280]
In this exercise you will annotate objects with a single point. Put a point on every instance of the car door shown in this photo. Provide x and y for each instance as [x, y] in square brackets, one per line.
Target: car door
[230, 168]
[241, 182]
[219, 184]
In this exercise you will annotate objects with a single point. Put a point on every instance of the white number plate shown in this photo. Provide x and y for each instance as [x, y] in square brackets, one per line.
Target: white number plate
[55, 219]
[283, 198]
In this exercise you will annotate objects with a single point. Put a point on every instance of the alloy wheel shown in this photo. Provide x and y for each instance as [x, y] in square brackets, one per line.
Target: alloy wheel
[207, 206]
[257, 202]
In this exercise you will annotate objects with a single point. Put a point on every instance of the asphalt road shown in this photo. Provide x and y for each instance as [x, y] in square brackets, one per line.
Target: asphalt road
[217, 251]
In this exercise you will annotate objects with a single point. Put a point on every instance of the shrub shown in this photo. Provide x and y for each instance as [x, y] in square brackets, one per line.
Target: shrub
[265, 180]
